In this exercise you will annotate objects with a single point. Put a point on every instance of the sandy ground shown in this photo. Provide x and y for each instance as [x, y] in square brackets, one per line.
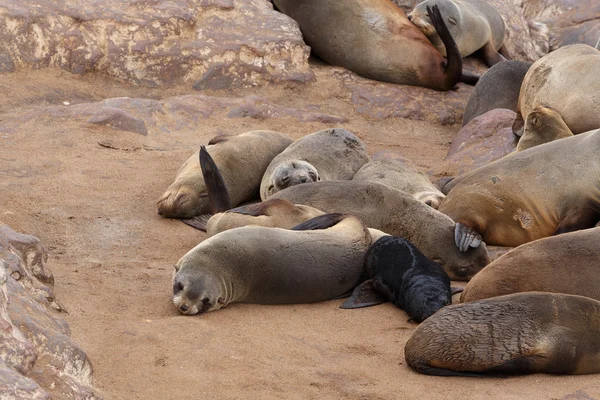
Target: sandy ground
[112, 256]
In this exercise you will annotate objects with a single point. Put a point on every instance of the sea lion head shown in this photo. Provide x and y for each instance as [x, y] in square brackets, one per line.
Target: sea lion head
[182, 201]
[426, 296]
[195, 291]
[542, 125]
[291, 173]
[420, 17]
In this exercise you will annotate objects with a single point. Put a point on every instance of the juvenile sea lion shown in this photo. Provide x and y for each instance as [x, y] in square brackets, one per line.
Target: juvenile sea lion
[530, 194]
[375, 39]
[521, 333]
[255, 264]
[542, 125]
[329, 154]
[404, 276]
[498, 87]
[474, 25]
[561, 264]
[397, 213]
[399, 176]
[242, 159]
[567, 81]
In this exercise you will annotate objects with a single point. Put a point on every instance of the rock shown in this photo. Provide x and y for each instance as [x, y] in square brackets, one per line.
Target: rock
[210, 44]
[118, 119]
[483, 140]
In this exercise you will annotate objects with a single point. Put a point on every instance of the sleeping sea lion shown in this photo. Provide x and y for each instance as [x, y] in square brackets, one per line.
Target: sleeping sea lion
[565, 263]
[521, 333]
[545, 190]
[474, 25]
[375, 39]
[542, 125]
[255, 264]
[243, 160]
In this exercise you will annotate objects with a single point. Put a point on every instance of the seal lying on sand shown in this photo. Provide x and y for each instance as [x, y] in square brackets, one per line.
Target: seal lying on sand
[243, 160]
[404, 276]
[330, 154]
[397, 213]
[520, 333]
[474, 25]
[560, 264]
[375, 39]
[545, 190]
[262, 265]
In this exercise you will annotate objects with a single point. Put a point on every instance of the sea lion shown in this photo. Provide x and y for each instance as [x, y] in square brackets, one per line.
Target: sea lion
[375, 39]
[404, 276]
[561, 264]
[255, 264]
[397, 213]
[329, 154]
[474, 25]
[530, 194]
[498, 87]
[542, 125]
[243, 160]
[521, 333]
[565, 80]
[399, 176]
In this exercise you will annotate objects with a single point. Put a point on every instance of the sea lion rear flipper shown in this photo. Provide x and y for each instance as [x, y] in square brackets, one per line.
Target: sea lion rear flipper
[469, 78]
[198, 222]
[364, 295]
[321, 222]
[465, 237]
[490, 55]
[215, 184]
[453, 70]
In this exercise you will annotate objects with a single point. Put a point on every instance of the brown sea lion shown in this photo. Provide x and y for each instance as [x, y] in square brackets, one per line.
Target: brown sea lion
[519, 333]
[542, 125]
[397, 213]
[329, 154]
[375, 39]
[548, 189]
[474, 25]
[567, 81]
[399, 176]
[255, 264]
[242, 159]
[498, 87]
[566, 263]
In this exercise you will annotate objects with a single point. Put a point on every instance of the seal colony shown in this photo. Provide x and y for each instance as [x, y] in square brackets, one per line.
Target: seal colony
[333, 224]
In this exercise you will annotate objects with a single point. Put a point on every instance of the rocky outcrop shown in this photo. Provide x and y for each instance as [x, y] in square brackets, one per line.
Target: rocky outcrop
[211, 44]
[38, 360]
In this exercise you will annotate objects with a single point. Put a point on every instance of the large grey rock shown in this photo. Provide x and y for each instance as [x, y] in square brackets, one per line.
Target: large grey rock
[210, 44]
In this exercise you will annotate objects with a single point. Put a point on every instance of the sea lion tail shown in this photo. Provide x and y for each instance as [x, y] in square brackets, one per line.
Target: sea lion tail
[453, 70]
[218, 195]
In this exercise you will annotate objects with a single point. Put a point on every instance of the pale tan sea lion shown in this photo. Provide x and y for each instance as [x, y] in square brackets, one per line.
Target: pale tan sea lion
[375, 39]
[519, 333]
[399, 176]
[568, 263]
[545, 190]
[242, 160]
[567, 81]
[329, 154]
[542, 125]
[474, 25]
[396, 213]
[256, 264]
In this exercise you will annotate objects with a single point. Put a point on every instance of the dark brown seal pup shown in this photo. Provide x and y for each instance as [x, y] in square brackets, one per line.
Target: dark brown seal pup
[545, 190]
[375, 39]
[242, 159]
[255, 264]
[404, 276]
[397, 213]
[498, 87]
[566, 263]
[520, 333]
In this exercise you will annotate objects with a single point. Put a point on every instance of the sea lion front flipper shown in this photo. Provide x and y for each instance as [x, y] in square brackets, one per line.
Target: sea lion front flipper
[215, 184]
[364, 295]
[454, 290]
[454, 66]
[490, 55]
[465, 237]
[321, 222]
[199, 222]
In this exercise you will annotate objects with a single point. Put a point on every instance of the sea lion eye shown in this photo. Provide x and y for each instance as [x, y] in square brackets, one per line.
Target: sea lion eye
[285, 179]
[313, 176]
[203, 194]
[452, 20]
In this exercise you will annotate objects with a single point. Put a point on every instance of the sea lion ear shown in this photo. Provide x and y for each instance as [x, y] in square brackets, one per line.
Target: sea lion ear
[215, 184]
[364, 295]
[454, 290]
[452, 20]
[466, 237]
